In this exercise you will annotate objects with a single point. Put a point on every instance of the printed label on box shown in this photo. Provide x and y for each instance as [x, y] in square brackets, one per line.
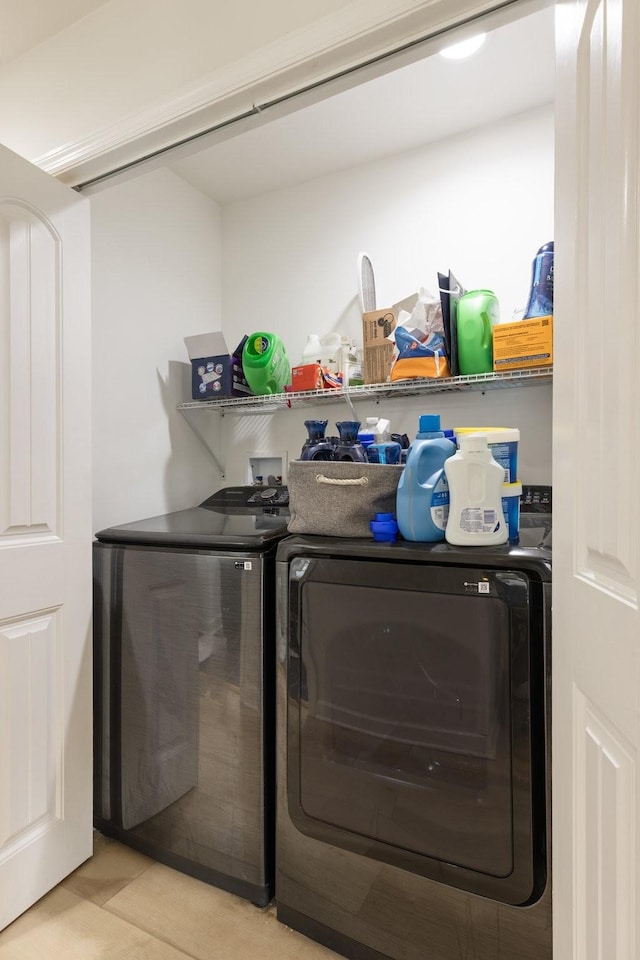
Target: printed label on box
[526, 343]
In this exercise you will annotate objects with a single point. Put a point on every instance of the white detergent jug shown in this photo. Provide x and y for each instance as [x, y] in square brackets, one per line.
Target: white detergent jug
[325, 349]
[476, 517]
[335, 352]
[312, 352]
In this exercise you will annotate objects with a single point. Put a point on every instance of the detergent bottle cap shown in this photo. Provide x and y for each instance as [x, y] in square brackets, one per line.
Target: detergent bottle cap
[384, 527]
[429, 423]
[473, 443]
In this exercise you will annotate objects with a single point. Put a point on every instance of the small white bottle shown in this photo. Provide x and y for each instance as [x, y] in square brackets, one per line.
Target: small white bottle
[475, 483]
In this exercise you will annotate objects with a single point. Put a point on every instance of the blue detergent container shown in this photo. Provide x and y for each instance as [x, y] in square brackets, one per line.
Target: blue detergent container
[540, 302]
[422, 502]
[316, 446]
[348, 446]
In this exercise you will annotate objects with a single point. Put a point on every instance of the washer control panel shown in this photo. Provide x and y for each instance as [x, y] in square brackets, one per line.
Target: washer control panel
[536, 498]
[269, 497]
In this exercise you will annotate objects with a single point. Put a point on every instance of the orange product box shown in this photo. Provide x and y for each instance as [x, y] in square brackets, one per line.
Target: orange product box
[525, 343]
[307, 376]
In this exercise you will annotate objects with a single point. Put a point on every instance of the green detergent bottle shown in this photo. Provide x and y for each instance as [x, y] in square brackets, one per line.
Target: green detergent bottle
[478, 311]
[265, 363]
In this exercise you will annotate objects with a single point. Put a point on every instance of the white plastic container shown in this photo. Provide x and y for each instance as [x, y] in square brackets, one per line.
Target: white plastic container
[312, 351]
[351, 366]
[337, 353]
[476, 517]
[503, 443]
[511, 495]
[380, 428]
[331, 355]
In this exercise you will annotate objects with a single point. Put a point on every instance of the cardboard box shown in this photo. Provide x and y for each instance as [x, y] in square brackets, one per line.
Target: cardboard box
[307, 376]
[215, 373]
[526, 343]
[377, 350]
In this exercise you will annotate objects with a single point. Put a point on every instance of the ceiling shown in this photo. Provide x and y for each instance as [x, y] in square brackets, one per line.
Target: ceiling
[26, 23]
[428, 100]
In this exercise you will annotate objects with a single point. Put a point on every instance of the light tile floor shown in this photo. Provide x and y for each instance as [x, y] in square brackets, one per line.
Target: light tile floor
[120, 905]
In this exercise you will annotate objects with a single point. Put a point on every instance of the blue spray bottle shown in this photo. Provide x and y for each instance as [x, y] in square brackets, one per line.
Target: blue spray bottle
[422, 502]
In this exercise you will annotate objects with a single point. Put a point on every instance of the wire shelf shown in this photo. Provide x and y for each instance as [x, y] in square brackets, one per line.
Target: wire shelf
[273, 403]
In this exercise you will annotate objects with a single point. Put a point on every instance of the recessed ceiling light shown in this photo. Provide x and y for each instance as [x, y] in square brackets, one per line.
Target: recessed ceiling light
[466, 48]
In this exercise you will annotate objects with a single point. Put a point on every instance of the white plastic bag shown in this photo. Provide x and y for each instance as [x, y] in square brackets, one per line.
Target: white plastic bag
[419, 347]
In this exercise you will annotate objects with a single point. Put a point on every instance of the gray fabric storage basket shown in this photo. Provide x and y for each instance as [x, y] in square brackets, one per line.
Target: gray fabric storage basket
[339, 498]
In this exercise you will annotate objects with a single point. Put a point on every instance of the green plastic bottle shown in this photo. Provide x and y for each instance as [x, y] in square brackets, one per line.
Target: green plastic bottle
[265, 363]
[476, 315]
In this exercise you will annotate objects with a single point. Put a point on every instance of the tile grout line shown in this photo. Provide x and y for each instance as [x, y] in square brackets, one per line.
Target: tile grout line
[154, 936]
[124, 887]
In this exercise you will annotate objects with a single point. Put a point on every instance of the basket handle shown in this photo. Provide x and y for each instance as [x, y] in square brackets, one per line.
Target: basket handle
[357, 481]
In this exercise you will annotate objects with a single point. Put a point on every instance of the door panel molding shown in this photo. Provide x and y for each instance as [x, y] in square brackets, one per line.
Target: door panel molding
[32, 742]
[605, 834]
[608, 134]
[30, 357]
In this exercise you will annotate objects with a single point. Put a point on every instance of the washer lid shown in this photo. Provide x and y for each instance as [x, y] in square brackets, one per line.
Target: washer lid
[204, 528]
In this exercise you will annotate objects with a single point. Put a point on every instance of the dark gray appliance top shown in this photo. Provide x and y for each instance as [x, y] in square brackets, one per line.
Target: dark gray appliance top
[531, 552]
[536, 516]
[243, 517]
[505, 556]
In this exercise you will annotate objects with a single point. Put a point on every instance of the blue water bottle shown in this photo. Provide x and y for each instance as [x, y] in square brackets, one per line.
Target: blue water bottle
[422, 501]
[541, 295]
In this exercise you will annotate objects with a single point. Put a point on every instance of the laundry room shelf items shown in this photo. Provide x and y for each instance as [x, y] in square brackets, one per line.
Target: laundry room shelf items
[403, 388]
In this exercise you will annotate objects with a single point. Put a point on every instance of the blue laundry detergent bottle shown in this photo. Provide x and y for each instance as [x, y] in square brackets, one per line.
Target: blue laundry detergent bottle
[422, 502]
[540, 302]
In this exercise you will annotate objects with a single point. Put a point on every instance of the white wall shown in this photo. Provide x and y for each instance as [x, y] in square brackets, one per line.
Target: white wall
[528, 408]
[167, 262]
[480, 204]
[156, 279]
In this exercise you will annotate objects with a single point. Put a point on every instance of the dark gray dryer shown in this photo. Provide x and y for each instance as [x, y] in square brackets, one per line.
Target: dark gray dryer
[413, 746]
[184, 709]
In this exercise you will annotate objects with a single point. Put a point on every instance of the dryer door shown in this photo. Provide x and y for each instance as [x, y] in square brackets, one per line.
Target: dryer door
[415, 710]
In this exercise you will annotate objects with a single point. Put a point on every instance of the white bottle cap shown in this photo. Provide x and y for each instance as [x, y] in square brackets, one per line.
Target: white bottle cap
[473, 442]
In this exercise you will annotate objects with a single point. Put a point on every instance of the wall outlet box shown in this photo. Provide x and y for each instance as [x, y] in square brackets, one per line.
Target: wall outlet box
[262, 464]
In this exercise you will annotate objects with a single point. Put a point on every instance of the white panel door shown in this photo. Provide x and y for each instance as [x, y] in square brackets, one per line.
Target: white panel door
[45, 535]
[596, 633]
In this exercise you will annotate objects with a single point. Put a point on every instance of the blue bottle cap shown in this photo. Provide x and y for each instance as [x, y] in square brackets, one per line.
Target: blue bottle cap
[384, 527]
[429, 423]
